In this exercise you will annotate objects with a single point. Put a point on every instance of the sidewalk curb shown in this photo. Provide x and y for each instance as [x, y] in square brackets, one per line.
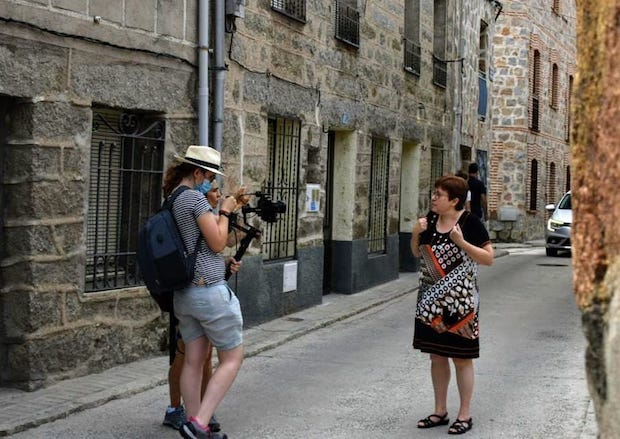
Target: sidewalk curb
[272, 345]
[74, 395]
[49, 405]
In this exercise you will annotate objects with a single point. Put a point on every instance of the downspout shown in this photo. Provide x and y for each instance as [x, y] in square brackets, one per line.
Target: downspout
[220, 75]
[203, 72]
[458, 104]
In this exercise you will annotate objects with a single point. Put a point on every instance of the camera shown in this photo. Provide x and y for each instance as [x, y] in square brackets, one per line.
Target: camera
[265, 208]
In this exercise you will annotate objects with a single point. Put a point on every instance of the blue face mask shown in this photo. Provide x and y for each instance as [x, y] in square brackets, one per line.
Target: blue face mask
[204, 187]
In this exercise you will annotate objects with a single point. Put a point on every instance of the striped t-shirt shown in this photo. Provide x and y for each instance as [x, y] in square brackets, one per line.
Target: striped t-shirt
[210, 266]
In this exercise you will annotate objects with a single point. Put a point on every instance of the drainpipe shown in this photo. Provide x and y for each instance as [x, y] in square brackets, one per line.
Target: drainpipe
[458, 104]
[203, 72]
[220, 75]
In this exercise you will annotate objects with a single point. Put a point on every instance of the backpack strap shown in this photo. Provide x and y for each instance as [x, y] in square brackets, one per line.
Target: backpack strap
[168, 202]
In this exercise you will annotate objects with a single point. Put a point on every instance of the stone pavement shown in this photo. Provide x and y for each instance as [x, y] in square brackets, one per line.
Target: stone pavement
[20, 410]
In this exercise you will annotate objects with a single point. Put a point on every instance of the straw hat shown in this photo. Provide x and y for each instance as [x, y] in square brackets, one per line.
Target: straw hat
[204, 157]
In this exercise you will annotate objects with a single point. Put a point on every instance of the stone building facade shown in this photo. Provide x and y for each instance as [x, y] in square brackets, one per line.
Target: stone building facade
[344, 111]
[535, 63]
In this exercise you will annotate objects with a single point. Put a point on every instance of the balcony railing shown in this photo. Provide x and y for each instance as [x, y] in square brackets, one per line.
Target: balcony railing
[295, 9]
[348, 24]
[534, 126]
[413, 57]
[440, 72]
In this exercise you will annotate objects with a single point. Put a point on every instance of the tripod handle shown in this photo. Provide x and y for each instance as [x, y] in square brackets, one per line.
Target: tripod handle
[251, 233]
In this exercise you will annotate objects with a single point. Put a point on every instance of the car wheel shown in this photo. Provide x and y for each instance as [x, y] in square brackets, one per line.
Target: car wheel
[551, 251]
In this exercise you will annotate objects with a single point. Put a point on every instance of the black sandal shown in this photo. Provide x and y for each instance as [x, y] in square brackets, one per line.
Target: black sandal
[460, 426]
[429, 423]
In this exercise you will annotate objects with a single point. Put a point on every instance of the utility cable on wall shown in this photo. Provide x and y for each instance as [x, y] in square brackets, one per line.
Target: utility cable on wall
[96, 41]
[268, 74]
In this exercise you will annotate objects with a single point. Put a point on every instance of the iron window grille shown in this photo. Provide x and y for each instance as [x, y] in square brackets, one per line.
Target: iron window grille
[436, 165]
[535, 114]
[378, 196]
[440, 72]
[535, 92]
[534, 184]
[295, 9]
[552, 184]
[126, 161]
[347, 24]
[413, 57]
[555, 87]
[280, 238]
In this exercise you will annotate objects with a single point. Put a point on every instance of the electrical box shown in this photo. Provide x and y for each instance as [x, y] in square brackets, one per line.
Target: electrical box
[235, 8]
[289, 277]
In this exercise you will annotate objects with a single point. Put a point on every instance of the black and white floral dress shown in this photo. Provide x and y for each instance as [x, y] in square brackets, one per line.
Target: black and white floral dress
[446, 319]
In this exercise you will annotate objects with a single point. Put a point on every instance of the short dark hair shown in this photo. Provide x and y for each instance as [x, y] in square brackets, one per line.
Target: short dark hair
[456, 187]
[473, 168]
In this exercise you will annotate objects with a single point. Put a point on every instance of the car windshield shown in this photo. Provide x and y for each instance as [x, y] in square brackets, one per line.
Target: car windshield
[565, 202]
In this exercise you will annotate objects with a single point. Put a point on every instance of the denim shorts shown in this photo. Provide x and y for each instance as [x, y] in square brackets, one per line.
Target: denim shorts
[212, 311]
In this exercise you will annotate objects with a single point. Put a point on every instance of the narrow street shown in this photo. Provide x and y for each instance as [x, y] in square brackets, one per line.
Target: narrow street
[360, 378]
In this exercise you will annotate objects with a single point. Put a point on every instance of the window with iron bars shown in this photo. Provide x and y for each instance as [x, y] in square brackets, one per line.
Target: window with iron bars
[440, 42]
[436, 165]
[534, 184]
[295, 9]
[412, 61]
[126, 161]
[279, 239]
[413, 57]
[378, 195]
[535, 97]
[347, 23]
[440, 72]
[555, 86]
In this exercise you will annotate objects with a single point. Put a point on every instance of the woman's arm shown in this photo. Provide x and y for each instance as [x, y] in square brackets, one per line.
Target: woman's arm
[482, 255]
[214, 229]
[418, 227]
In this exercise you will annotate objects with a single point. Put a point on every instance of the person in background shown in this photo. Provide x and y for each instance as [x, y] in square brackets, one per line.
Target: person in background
[478, 193]
[464, 176]
[450, 243]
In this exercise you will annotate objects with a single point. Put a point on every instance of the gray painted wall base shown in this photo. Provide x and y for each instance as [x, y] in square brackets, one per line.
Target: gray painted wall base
[259, 286]
[407, 262]
[355, 270]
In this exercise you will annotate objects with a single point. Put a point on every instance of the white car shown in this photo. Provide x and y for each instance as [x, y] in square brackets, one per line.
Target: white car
[557, 233]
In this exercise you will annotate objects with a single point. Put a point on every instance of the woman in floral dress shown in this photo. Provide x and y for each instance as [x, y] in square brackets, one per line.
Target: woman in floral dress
[450, 244]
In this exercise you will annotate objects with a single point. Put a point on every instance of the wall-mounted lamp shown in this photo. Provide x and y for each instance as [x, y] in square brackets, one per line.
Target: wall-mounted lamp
[498, 7]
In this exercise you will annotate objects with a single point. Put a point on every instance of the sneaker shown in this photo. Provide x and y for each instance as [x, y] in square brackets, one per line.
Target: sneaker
[214, 425]
[190, 430]
[175, 418]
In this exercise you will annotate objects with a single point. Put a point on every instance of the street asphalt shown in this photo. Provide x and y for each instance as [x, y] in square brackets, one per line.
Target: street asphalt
[20, 410]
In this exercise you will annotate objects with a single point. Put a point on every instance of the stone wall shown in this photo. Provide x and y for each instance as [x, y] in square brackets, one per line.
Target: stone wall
[596, 206]
[522, 28]
[60, 59]
[50, 79]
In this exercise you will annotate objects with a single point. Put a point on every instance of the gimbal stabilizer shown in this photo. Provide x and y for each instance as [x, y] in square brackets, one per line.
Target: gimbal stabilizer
[266, 209]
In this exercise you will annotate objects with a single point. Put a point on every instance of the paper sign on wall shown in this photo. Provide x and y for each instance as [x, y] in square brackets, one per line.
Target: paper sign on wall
[313, 194]
[289, 281]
